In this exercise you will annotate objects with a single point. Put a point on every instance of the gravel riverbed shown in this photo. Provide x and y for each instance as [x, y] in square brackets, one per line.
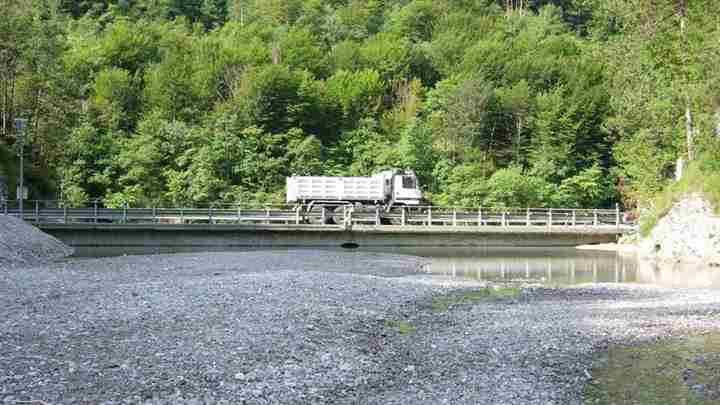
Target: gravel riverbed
[21, 244]
[310, 327]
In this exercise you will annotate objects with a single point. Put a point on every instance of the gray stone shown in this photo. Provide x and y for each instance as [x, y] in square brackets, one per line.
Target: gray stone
[23, 244]
[690, 232]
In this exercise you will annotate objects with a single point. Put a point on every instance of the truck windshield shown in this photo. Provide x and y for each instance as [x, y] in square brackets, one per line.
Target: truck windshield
[409, 182]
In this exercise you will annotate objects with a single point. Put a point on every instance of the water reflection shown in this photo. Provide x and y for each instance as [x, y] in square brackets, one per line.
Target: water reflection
[553, 266]
[548, 266]
[678, 274]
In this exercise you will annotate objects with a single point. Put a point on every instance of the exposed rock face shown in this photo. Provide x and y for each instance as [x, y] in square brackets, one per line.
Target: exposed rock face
[22, 244]
[689, 232]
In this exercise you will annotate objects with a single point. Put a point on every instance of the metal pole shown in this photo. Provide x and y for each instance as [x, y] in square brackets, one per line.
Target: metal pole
[617, 215]
[37, 211]
[550, 218]
[479, 216]
[22, 177]
[527, 219]
[429, 216]
[454, 216]
[574, 217]
[403, 216]
[95, 212]
[20, 128]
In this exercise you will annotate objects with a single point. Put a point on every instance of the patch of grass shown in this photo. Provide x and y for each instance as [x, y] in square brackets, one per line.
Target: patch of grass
[658, 373]
[699, 177]
[402, 327]
[443, 303]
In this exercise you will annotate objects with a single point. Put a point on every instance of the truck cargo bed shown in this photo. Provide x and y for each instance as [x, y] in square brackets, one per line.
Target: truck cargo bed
[306, 188]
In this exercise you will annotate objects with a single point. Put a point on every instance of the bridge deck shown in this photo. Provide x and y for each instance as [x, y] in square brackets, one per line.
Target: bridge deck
[385, 229]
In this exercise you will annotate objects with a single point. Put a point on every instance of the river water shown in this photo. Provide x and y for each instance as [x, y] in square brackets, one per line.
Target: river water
[549, 266]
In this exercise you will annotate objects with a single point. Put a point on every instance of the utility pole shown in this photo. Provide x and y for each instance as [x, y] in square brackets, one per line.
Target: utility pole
[20, 133]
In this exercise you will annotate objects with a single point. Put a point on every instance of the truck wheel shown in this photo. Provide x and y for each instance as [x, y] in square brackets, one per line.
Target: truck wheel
[315, 216]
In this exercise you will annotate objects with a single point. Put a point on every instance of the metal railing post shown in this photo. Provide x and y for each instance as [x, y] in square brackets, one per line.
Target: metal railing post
[429, 218]
[403, 219]
[574, 218]
[377, 215]
[503, 219]
[297, 215]
[527, 217]
[154, 215]
[267, 215]
[480, 216]
[210, 215]
[550, 218]
[454, 217]
[182, 216]
[125, 213]
[322, 215]
[238, 213]
[595, 218]
[37, 211]
[95, 212]
[617, 215]
[65, 214]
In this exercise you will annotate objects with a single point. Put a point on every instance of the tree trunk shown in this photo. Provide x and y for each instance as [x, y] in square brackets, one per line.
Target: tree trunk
[689, 130]
[519, 124]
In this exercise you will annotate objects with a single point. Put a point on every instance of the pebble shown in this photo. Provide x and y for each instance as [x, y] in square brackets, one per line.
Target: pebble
[21, 244]
[310, 327]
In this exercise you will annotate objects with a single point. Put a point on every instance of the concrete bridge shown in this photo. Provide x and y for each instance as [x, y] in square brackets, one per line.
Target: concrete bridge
[282, 226]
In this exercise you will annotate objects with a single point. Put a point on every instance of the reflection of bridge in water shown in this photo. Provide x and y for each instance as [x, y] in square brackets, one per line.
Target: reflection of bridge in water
[551, 267]
[565, 267]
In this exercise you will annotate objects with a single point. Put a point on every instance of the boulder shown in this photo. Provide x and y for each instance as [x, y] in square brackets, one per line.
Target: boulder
[690, 232]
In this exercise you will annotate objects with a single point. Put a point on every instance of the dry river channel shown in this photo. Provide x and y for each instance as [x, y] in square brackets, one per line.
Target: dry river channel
[432, 326]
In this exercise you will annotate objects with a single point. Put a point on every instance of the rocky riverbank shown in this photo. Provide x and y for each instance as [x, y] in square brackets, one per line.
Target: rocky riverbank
[22, 244]
[311, 327]
[690, 232]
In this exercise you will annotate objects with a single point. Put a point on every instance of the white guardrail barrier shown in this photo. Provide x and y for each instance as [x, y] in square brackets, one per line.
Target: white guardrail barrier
[58, 212]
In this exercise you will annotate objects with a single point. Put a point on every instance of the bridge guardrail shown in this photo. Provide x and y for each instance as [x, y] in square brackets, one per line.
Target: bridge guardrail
[58, 212]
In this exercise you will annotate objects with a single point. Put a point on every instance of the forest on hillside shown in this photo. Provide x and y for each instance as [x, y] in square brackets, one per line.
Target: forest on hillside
[546, 103]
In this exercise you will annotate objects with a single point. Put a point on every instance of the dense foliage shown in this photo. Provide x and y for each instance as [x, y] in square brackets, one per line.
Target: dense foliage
[496, 102]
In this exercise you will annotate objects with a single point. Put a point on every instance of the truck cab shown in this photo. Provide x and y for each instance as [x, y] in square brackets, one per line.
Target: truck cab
[406, 190]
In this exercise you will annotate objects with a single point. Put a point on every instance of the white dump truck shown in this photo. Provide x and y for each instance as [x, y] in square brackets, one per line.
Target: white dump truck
[388, 188]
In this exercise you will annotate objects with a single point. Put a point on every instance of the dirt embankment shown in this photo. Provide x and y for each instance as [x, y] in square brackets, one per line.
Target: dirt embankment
[22, 244]
[690, 232]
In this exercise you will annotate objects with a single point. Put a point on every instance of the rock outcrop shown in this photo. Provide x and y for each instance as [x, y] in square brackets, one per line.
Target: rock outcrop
[690, 232]
[22, 244]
